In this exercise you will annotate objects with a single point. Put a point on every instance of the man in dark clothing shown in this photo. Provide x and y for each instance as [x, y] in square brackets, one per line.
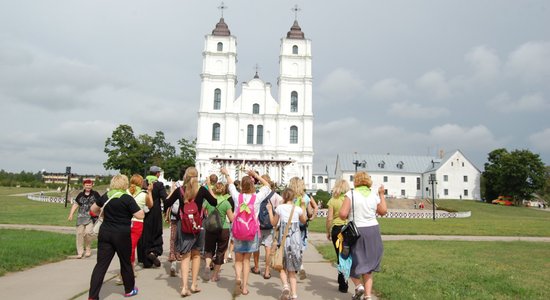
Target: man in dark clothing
[150, 244]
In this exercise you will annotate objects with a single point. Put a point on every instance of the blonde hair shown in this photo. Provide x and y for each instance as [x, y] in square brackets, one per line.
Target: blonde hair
[341, 186]
[297, 185]
[135, 181]
[288, 195]
[361, 178]
[119, 182]
[219, 188]
[190, 183]
[271, 183]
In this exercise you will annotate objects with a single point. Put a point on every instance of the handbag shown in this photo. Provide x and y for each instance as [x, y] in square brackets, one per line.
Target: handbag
[99, 221]
[349, 231]
[278, 254]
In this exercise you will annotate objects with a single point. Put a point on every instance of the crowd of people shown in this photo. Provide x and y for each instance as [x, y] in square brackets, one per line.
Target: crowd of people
[224, 220]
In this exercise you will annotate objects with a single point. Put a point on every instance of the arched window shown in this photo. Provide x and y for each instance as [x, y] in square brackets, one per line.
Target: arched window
[220, 46]
[255, 108]
[294, 49]
[216, 132]
[260, 134]
[320, 179]
[217, 99]
[293, 135]
[250, 134]
[294, 101]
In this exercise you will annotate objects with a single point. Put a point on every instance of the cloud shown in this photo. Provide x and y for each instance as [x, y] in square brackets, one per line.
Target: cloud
[341, 85]
[530, 61]
[453, 136]
[434, 84]
[388, 89]
[34, 77]
[485, 64]
[527, 103]
[416, 111]
[541, 140]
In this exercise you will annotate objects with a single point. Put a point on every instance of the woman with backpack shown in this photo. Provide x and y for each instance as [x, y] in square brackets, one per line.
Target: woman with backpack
[245, 224]
[188, 243]
[217, 239]
[290, 216]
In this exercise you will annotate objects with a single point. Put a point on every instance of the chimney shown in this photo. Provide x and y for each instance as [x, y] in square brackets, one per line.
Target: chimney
[441, 152]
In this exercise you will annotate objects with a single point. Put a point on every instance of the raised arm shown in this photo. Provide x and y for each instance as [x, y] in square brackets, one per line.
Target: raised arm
[381, 208]
[223, 170]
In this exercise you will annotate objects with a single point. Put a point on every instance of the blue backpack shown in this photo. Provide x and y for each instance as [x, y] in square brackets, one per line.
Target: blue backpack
[263, 216]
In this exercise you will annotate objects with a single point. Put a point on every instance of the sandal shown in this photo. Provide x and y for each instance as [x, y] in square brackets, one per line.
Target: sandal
[245, 293]
[359, 292]
[253, 270]
[285, 294]
[185, 293]
[195, 290]
[267, 276]
[237, 290]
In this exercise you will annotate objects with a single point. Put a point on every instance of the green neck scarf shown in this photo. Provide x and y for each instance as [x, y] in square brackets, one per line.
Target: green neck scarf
[364, 190]
[151, 178]
[138, 190]
[113, 192]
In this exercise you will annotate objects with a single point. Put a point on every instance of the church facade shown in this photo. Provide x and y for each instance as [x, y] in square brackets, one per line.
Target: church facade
[253, 130]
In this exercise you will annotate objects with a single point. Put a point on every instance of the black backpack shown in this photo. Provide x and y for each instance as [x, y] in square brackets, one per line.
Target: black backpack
[263, 215]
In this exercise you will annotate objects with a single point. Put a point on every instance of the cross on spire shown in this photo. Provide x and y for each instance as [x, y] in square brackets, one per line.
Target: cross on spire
[222, 7]
[256, 68]
[296, 9]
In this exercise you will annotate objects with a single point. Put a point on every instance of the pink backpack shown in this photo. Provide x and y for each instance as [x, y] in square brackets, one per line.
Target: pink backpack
[245, 226]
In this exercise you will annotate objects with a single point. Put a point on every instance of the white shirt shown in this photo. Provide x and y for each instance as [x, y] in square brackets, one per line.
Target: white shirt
[363, 210]
[260, 195]
[283, 210]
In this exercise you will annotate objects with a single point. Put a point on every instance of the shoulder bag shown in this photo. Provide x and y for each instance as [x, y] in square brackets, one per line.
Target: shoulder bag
[278, 255]
[349, 231]
[97, 224]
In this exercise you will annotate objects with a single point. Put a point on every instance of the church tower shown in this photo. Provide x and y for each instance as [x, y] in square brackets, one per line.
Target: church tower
[253, 130]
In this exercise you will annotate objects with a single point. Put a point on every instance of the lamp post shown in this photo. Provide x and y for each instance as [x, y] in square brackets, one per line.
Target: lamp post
[433, 182]
[68, 172]
[361, 164]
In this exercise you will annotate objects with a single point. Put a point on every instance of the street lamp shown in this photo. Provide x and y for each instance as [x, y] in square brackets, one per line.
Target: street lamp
[361, 164]
[433, 181]
[68, 172]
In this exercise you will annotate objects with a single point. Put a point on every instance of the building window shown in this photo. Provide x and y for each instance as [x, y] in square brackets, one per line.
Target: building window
[255, 108]
[326, 180]
[217, 99]
[294, 49]
[386, 192]
[403, 193]
[465, 178]
[250, 134]
[446, 192]
[465, 192]
[319, 179]
[220, 46]
[463, 164]
[385, 178]
[312, 179]
[351, 178]
[216, 132]
[260, 134]
[381, 164]
[418, 183]
[451, 164]
[400, 165]
[445, 178]
[402, 179]
[293, 135]
[294, 101]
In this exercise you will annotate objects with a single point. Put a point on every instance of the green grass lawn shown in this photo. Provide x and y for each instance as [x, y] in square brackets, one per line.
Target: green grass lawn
[22, 249]
[486, 219]
[461, 270]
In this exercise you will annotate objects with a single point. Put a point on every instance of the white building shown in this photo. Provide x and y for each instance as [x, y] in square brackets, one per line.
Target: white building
[408, 176]
[254, 130]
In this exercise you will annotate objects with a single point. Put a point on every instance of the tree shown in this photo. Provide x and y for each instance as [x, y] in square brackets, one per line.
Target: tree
[518, 174]
[124, 152]
[186, 158]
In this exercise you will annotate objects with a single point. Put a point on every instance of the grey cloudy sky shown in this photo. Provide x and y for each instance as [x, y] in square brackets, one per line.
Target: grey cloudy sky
[401, 77]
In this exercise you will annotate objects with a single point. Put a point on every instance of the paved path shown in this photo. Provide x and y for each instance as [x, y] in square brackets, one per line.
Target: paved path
[69, 279]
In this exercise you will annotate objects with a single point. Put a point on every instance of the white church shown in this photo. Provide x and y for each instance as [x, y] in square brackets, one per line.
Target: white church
[253, 130]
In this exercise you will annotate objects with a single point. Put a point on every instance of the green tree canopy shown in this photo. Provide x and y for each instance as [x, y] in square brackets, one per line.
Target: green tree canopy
[134, 155]
[518, 174]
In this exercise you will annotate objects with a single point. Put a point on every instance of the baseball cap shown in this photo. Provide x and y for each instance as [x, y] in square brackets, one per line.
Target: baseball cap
[155, 169]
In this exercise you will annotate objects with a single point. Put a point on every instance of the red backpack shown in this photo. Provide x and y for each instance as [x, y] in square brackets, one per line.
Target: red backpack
[245, 226]
[190, 215]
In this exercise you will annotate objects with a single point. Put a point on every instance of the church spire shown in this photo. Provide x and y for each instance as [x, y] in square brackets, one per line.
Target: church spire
[295, 31]
[221, 28]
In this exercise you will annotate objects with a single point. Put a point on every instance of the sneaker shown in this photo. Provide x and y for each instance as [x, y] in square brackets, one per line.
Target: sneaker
[359, 292]
[302, 274]
[206, 274]
[132, 293]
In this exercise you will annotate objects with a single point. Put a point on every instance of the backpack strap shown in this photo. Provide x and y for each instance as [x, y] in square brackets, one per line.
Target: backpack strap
[269, 196]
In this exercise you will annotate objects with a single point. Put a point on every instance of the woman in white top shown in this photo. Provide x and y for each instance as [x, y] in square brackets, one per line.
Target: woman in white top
[292, 258]
[244, 249]
[367, 251]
